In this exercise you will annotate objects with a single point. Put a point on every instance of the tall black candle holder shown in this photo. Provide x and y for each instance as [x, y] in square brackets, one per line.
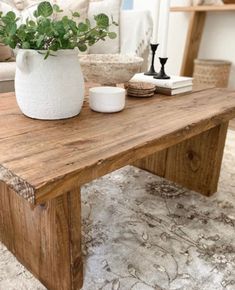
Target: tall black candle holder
[162, 75]
[152, 71]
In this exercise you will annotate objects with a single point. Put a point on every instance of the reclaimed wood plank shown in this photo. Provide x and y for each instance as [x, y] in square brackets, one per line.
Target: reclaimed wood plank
[53, 157]
[45, 162]
[194, 163]
[207, 8]
[45, 239]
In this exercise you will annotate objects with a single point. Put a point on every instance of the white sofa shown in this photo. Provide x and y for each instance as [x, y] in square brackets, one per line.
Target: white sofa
[135, 33]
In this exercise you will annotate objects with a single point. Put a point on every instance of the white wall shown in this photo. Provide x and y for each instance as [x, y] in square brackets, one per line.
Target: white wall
[218, 41]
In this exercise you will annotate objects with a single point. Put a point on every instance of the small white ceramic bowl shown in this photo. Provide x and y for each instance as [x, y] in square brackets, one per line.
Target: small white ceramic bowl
[107, 99]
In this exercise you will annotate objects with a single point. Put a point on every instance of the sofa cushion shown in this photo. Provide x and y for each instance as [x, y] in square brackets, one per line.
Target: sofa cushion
[7, 86]
[7, 71]
[113, 9]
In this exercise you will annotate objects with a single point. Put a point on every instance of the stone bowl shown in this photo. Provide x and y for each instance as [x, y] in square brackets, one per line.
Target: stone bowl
[110, 69]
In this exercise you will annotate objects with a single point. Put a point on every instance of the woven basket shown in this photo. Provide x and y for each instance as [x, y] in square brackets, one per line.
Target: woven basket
[211, 72]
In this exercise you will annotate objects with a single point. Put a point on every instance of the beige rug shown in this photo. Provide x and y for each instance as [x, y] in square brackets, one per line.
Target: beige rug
[137, 237]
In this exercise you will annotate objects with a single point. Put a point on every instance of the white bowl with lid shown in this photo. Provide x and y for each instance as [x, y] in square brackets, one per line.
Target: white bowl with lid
[107, 99]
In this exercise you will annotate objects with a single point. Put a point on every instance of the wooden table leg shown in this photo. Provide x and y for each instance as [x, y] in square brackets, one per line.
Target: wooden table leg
[45, 239]
[194, 163]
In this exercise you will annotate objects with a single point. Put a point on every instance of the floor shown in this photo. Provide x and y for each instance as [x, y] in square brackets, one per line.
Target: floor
[152, 235]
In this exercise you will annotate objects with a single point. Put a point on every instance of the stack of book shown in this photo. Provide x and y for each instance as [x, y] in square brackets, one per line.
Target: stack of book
[175, 85]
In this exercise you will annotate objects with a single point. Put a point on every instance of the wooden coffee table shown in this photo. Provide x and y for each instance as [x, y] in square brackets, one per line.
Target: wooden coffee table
[44, 163]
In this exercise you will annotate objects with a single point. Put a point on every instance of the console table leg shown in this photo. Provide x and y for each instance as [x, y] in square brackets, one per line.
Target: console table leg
[45, 239]
[194, 163]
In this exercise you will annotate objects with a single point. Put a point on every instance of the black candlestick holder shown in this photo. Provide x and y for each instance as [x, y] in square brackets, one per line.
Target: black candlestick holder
[162, 75]
[152, 71]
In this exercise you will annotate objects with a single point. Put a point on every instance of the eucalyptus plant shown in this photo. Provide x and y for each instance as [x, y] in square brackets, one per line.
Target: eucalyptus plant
[49, 32]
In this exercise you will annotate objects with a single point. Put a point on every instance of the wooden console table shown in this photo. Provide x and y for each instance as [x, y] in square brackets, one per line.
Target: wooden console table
[195, 30]
[44, 163]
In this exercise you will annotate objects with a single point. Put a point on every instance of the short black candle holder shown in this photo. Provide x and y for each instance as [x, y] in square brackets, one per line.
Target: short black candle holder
[152, 71]
[162, 75]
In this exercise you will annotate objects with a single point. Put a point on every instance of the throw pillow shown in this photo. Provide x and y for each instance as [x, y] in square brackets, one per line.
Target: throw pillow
[5, 53]
[20, 4]
[25, 8]
[7, 5]
[80, 6]
[112, 8]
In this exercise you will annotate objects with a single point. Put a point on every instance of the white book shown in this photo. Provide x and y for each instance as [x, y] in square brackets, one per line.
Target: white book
[172, 92]
[173, 83]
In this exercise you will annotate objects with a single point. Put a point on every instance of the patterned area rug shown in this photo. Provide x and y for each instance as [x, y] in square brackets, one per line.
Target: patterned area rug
[144, 233]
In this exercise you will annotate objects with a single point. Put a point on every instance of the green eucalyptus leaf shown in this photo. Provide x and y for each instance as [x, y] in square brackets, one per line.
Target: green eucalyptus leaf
[47, 54]
[39, 41]
[73, 25]
[75, 14]
[11, 29]
[65, 20]
[35, 14]
[51, 33]
[57, 9]
[55, 46]
[112, 35]
[102, 34]
[32, 23]
[11, 15]
[45, 9]
[102, 20]
[9, 41]
[25, 45]
[83, 27]
[22, 34]
[6, 20]
[88, 23]
[59, 28]
[91, 42]
[82, 47]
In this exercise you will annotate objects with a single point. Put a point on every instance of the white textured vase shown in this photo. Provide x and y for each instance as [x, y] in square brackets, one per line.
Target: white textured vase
[49, 89]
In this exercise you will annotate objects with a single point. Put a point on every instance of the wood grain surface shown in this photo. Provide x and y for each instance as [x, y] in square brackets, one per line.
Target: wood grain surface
[194, 163]
[44, 159]
[45, 239]
[208, 8]
[193, 41]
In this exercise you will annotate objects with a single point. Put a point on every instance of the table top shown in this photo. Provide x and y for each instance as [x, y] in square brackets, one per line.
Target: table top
[42, 159]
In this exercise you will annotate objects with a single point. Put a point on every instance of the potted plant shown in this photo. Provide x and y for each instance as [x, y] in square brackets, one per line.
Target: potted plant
[49, 82]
